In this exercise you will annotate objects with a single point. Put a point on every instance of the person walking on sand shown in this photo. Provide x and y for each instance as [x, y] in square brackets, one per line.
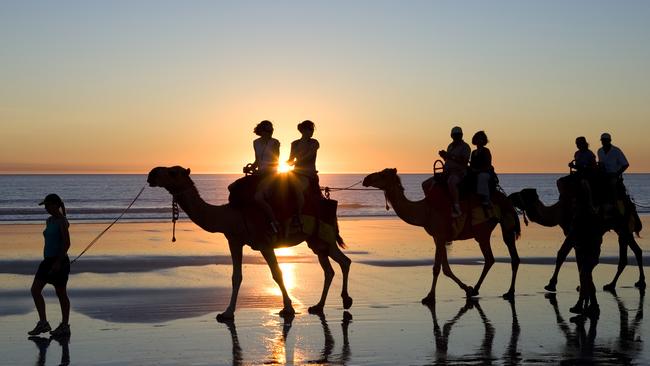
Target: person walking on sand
[267, 155]
[303, 158]
[456, 158]
[55, 268]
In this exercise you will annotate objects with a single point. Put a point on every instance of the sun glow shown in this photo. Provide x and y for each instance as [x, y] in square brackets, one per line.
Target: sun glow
[283, 167]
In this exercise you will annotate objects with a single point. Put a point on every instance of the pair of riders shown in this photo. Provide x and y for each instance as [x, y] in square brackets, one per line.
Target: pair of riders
[457, 156]
[611, 165]
[267, 155]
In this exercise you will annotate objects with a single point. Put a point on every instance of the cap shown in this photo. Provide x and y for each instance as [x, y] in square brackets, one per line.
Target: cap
[51, 198]
[605, 136]
[456, 130]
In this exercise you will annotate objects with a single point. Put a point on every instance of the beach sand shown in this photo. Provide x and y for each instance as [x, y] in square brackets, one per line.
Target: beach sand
[138, 299]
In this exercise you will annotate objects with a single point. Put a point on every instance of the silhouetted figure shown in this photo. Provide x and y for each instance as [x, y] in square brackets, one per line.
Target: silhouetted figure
[267, 155]
[613, 163]
[583, 159]
[456, 158]
[248, 226]
[562, 212]
[586, 230]
[303, 158]
[481, 165]
[55, 268]
[434, 218]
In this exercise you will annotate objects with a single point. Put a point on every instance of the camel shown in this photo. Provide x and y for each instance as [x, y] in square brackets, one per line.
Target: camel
[437, 223]
[561, 212]
[241, 227]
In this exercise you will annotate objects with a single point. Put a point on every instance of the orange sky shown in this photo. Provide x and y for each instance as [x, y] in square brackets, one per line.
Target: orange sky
[100, 89]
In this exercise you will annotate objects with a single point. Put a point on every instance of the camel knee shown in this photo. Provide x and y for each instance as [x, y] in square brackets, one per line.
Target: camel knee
[329, 274]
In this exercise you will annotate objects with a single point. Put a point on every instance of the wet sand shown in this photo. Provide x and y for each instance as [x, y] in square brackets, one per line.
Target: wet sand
[138, 299]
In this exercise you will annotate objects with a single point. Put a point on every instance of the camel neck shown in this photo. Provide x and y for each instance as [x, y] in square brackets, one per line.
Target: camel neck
[211, 218]
[545, 215]
[413, 212]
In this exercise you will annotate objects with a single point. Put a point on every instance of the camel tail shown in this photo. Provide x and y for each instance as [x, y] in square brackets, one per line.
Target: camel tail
[340, 242]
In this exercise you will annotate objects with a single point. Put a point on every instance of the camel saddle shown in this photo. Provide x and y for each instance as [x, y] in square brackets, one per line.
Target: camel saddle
[318, 212]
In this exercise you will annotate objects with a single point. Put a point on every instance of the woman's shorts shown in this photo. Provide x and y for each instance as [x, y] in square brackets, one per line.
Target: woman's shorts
[58, 278]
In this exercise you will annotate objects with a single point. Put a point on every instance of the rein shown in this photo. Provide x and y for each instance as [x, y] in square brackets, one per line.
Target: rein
[176, 210]
[109, 226]
[328, 190]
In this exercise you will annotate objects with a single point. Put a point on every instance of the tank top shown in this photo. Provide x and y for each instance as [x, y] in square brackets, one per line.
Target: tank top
[53, 238]
[266, 161]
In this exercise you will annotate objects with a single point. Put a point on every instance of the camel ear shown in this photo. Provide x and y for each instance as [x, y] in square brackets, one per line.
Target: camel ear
[393, 170]
[187, 172]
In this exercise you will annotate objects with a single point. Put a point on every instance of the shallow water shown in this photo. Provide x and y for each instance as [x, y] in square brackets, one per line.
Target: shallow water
[158, 306]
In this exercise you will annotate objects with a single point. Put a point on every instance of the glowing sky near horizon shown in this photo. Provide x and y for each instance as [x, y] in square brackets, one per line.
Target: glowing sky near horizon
[124, 86]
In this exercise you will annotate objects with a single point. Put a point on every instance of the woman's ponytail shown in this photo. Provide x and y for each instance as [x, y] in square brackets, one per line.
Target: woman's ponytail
[63, 208]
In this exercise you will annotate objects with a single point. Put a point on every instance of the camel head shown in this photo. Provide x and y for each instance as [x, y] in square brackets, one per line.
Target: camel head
[174, 179]
[383, 180]
[524, 199]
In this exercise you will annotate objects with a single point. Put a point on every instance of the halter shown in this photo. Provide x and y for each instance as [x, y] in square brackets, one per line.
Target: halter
[176, 211]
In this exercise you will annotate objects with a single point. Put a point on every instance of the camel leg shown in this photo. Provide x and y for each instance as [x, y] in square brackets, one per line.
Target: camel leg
[236, 256]
[638, 254]
[344, 262]
[446, 269]
[509, 239]
[484, 244]
[329, 275]
[562, 253]
[622, 261]
[272, 261]
[430, 299]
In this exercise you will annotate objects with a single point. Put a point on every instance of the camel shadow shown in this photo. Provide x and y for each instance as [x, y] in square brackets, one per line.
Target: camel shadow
[43, 343]
[482, 355]
[280, 354]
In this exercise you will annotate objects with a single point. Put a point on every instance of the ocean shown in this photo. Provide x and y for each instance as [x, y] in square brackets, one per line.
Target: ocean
[102, 197]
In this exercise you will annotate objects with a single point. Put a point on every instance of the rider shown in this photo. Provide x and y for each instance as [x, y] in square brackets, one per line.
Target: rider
[267, 154]
[613, 163]
[481, 165]
[456, 158]
[303, 158]
[584, 162]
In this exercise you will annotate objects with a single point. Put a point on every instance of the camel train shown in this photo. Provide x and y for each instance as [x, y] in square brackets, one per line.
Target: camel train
[462, 201]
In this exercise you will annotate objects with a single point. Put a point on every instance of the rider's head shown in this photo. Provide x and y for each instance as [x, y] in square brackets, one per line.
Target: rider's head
[581, 143]
[606, 139]
[264, 128]
[306, 128]
[457, 133]
[479, 139]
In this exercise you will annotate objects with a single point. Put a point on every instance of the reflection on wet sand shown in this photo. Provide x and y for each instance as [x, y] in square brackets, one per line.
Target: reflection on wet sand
[484, 353]
[581, 346]
[280, 354]
[43, 343]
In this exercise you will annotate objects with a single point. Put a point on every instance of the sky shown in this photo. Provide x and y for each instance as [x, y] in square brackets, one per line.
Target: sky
[123, 86]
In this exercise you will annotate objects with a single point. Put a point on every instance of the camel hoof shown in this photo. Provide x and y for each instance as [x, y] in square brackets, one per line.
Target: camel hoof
[609, 287]
[287, 313]
[510, 295]
[550, 287]
[225, 317]
[640, 284]
[430, 300]
[347, 302]
[316, 309]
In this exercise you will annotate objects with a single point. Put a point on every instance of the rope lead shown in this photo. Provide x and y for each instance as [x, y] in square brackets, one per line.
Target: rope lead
[175, 214]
